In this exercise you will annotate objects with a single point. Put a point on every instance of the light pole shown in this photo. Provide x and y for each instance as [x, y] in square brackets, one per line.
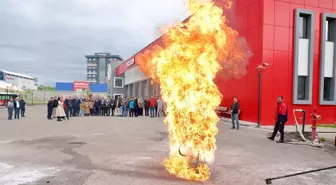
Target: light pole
[260, 69]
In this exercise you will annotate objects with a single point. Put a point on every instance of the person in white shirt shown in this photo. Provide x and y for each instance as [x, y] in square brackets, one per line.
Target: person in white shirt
[17, 108]
[159, 107]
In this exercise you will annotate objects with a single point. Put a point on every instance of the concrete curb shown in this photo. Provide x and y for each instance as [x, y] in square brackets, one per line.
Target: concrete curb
[270, 129]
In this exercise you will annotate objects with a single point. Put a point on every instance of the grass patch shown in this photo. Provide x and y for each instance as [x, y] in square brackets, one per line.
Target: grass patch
[327, 125]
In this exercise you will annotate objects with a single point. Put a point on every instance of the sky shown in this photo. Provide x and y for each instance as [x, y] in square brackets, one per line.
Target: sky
[48, 39]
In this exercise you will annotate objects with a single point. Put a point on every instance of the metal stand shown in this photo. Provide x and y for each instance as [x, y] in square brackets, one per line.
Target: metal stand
[259, 98]
[303, 121]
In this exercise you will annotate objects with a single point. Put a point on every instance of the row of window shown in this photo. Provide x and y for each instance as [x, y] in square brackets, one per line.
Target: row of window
[304, 54]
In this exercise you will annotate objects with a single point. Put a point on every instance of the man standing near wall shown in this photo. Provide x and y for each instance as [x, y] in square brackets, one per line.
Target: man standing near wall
[235, 113]
[281, 116]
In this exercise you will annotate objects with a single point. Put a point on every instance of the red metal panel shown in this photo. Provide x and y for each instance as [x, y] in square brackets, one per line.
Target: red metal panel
[281, 74]
[291, 39]
[292, 8]
[313, 3]
[317, 42]
[316, 79]
[268, 37]
[281, 38]
[242, 20]
[325, 10]
[253, 15]
[326, 3]
[254, 39]
[334, 4]
[281, 13]
[267, 92]
[297, 2]
[268, 10]
[249, 2]
[317, 16]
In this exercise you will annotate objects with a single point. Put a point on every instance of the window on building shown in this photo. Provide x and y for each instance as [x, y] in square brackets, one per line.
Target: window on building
[303, 26]
[303, 56]
[118, 82]
[330, 22]
[328, 58]
[328, 89]
[302, 88]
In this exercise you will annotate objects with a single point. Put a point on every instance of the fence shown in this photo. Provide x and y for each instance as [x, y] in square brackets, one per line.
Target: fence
[42, 97]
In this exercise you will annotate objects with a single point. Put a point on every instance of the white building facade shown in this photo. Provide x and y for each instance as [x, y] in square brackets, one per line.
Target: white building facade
[20, 80]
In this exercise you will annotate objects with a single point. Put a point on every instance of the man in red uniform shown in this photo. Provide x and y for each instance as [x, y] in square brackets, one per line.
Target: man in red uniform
[152, 104]
[281, 119]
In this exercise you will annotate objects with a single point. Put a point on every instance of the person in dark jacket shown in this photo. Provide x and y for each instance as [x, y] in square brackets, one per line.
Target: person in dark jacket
[113, 106]
[147, 106]
[67, 108]
[22, 107]
[73, 106]
[235, 113]
[136, 107]
[55, 107]
[280, 118]
[78, 102]
[50, 107]
[70, 106]
[96, 107]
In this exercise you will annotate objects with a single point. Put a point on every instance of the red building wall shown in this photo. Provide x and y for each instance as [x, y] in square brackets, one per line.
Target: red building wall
[248, 23]
[268, 26]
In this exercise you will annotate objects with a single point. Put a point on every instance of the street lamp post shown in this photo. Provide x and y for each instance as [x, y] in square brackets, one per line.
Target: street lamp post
[260, 69]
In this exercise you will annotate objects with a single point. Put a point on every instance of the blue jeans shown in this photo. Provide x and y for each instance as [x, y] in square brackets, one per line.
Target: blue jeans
[235, 118]
[124, 110]
[151, 110]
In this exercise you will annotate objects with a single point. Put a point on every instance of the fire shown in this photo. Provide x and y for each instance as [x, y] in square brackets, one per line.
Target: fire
[186, 65]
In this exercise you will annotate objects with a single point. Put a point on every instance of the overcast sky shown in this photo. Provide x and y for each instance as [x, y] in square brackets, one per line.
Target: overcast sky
[48, 39]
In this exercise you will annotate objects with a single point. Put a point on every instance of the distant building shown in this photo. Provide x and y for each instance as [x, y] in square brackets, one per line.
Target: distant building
[20, 80]
[97, 66]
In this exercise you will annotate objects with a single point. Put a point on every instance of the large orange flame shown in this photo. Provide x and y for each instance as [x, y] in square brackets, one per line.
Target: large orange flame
[185, 66]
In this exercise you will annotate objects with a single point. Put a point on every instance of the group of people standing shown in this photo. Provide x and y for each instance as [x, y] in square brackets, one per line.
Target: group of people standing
[18, 106]
[64, 108]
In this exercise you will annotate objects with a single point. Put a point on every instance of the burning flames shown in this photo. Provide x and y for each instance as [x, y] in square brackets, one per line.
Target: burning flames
[186, 65]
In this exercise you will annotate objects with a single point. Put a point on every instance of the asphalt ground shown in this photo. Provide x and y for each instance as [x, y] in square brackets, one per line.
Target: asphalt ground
[113, 150]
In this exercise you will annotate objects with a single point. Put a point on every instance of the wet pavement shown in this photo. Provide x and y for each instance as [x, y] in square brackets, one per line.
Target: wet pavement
[113, 150]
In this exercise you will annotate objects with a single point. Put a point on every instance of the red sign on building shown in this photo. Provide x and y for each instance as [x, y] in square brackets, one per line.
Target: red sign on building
[81, 86]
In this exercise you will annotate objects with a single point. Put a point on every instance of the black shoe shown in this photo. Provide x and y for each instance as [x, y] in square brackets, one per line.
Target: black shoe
[270, 138]
[280, 141]
[233, 128]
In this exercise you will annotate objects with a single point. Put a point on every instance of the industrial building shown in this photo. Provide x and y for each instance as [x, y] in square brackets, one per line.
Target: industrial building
[295, 37]
[98, 66]
[22, 81]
